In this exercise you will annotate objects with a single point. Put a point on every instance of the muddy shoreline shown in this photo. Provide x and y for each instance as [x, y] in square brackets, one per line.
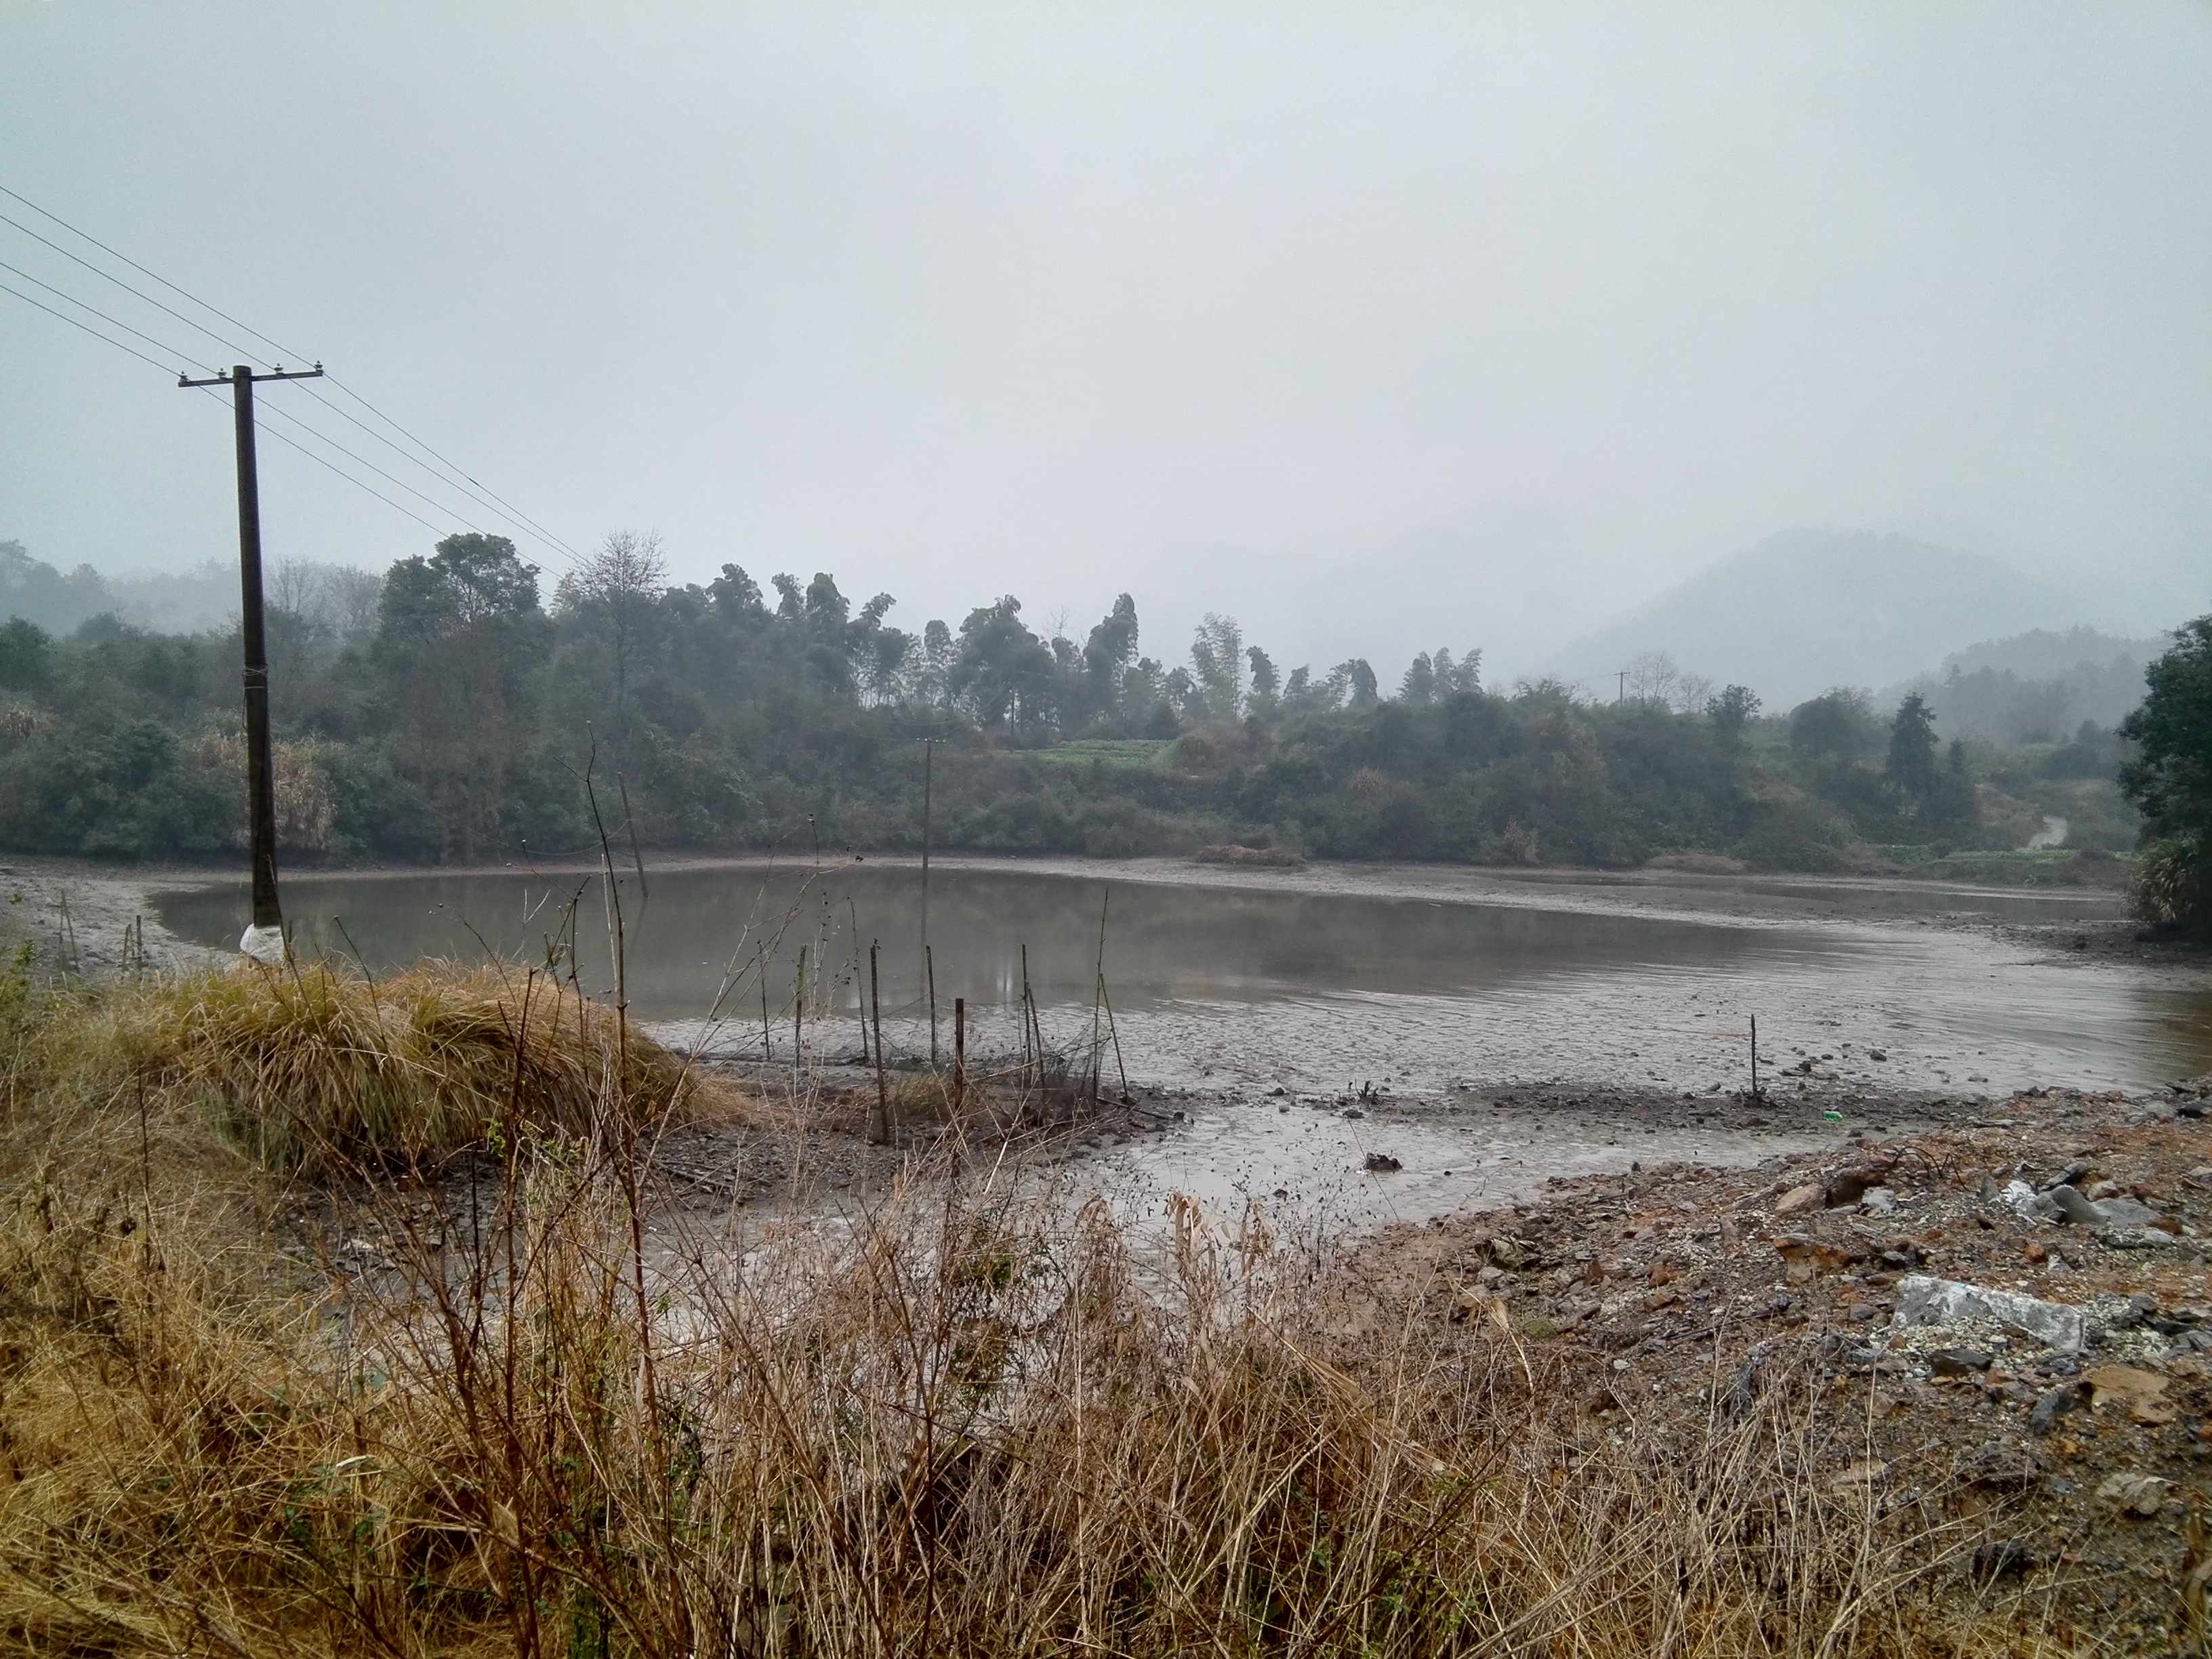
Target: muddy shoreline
[1230, 1128]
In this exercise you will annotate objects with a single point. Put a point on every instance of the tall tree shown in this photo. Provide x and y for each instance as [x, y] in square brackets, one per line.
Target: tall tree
[459, 639]
[614, 591]
[1266, 683]
[1003, 673]
[1911, 763]
[1731, 711]
[1106, 654]
[2168, 779]
[1216, 665]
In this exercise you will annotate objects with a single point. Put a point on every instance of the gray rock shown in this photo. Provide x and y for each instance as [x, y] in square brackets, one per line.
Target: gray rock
[2136, 1494]
[2075, 1208]
[1922, 1300]
[2136, 1239]
[2062, 1399]
[1878, 1201]
[1958, 1361]
[2126, 1212]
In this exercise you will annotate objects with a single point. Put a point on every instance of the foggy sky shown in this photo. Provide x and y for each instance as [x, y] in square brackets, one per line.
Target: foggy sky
[956, 301]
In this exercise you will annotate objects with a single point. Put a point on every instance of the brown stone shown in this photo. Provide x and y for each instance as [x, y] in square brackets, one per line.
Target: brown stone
[1799, 1201]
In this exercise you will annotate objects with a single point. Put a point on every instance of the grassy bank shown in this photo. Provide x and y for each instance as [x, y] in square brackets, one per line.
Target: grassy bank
[315, 1338]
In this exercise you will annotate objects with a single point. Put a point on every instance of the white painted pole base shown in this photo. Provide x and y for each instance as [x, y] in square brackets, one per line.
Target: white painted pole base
[263, 945]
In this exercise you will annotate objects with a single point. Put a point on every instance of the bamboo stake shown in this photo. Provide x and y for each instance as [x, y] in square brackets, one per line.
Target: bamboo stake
[880, 1131]
[860, 1011]
[1107, 997]
[798, 1019]
[1030, 1056]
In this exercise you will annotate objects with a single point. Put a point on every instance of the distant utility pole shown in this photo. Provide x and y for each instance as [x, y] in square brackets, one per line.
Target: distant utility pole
[1620, 690]
[263, 938]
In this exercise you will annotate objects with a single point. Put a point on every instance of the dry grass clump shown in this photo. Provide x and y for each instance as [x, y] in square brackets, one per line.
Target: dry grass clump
[316, 1068]
[968, 1427]
[973, 1419]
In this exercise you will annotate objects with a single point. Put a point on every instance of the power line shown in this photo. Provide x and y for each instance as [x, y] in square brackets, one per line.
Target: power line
[347, 476]
[319, 461]
[135, 266]
[151, 363]
[87, 327]
[469, 487]
[363, 461]
[115, 321]
[481, 493]
[119, 282]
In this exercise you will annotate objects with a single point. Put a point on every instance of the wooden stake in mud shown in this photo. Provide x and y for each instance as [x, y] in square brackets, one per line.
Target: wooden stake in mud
[1032, 1034]
[929, 972]
[959, 1051]
[763, 976]
[858, 1007]
[880, 1131]
[1754, 1056]
[797, 1017]
[1113, 1031]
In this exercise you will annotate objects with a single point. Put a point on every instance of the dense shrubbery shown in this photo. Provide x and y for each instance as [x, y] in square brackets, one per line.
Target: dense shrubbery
[2170, 778]
[463, 717]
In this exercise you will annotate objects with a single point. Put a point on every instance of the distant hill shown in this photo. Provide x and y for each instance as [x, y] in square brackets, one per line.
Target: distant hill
[1809, 609]
[2036, 687]
[2046, 654]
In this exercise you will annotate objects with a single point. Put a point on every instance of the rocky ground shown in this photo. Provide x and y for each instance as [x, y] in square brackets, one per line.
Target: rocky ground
[2009, 1316]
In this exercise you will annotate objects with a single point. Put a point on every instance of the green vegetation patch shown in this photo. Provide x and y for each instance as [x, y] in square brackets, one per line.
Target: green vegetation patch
[1123, 752]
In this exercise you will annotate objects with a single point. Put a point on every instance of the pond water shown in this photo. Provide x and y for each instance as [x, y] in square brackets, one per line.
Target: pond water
[1254, 985]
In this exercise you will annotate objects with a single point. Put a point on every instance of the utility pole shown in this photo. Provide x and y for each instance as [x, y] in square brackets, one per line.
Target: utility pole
[1620, 690]
[263, 938]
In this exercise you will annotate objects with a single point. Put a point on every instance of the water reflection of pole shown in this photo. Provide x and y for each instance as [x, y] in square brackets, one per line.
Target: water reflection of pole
[1097, 995]
[928, 753]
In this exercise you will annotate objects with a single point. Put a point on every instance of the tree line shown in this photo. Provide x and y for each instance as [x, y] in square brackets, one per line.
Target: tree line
[456, 711]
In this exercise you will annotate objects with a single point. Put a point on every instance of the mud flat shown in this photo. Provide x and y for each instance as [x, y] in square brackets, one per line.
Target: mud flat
[1491, 1027]
[92, 918]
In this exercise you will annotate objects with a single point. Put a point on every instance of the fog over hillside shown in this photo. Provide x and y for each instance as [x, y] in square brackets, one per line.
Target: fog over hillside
[168, 601]
[1810, 609]
[2036, 687]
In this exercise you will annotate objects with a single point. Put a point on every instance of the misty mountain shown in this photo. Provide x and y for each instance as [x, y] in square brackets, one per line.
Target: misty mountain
[1810, 609]
[2044, 653]
[2036, 687]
